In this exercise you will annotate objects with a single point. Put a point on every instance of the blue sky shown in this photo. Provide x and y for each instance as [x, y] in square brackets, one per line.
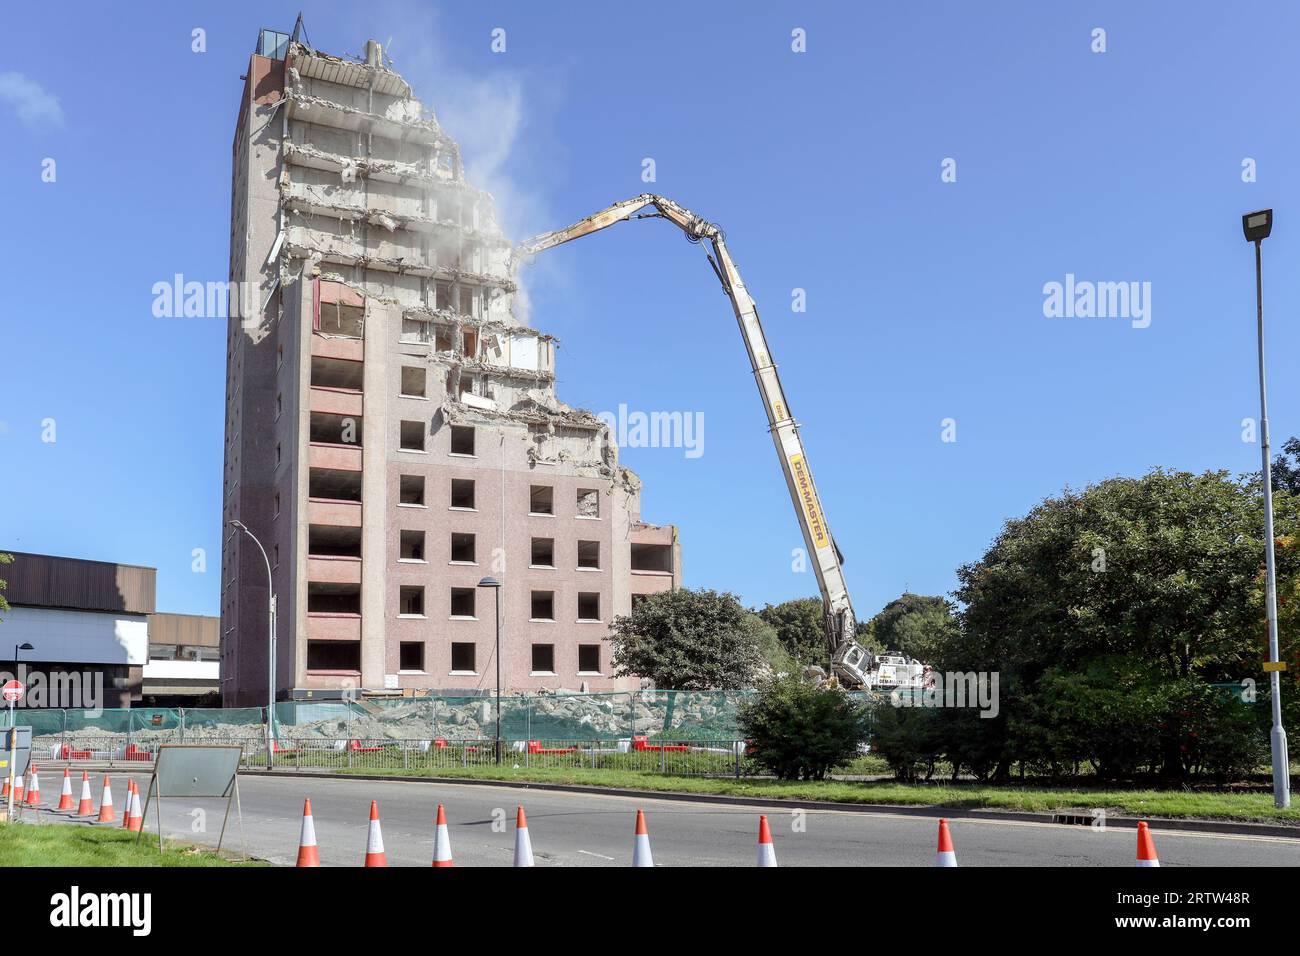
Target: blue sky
[924, 298]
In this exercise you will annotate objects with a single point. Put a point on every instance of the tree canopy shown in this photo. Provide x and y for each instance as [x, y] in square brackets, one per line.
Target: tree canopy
[689, 640]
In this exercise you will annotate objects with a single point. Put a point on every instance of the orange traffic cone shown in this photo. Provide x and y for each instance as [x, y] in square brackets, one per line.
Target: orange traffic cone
[1146, 846]
[65, 798]
[442, 841]
[4, 791]
[523, 842]
[18, 789]
[641, 845]
[130, 792]
[308, 855]
[106, 814]
[947, 856]
[34, 791]
[375, 839]
[766, 849]
[135, 817]
[86, 808]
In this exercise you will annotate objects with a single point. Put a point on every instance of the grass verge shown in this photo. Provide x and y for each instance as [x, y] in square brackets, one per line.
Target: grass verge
[1147, 803]
[65, 844]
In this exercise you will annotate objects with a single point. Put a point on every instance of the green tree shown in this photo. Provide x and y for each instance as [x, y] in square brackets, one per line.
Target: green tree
[1158, 571]
[800, 730]
[915, 625]
[801, 627]
[1286, 468]
[688, 640]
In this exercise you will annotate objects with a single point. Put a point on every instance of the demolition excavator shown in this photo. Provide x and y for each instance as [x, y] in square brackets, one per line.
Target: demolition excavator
[850, 663]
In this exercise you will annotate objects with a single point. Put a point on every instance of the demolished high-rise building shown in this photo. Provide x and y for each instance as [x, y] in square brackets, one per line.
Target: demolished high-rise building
[392, 430]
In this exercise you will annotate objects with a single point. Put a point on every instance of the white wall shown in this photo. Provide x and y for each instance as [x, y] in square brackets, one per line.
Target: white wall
[84, 637]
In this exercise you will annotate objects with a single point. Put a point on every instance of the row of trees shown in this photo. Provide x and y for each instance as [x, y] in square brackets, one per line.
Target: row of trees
[1125, 623]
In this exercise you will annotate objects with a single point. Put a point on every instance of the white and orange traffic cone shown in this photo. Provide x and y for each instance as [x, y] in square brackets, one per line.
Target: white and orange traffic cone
[523, 843]
[65, 798]
[1146, 846]
[106, 814]
[4, 791]
[766, 849]
[34, 791]
[18, 789]
[946, 856]
[134, 815]
[641, 846]
[442, 841]
[130, 792]
[308, 855]
[86, 808]
[375, 855]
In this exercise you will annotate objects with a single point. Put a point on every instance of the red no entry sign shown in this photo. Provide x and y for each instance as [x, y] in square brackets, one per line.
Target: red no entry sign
[12, 691]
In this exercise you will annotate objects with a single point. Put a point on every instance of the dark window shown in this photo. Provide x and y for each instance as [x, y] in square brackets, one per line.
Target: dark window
[462, 493]
[462, 602]
[543, 554]
[543, 606]
[462, 657]
[413, 381]
[544, 658]
[589, 554]
[462, 547]
[589, 658]
[588, 606]
[412, 436]
[411, 490]
[539, 500]
[411, 656]
[412, 545]
[333, 655]
[462, 440]
[410, 599]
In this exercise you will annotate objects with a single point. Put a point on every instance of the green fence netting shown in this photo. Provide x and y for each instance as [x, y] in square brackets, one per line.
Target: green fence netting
[656, 714]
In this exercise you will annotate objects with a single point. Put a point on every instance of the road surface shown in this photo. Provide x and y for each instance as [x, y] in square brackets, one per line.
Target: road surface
[581, 829]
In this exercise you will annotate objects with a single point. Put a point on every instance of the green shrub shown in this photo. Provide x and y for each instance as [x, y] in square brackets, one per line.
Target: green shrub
[799, 731]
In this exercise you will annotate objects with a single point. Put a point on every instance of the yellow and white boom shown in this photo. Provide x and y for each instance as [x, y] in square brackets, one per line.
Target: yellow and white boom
[849, 661]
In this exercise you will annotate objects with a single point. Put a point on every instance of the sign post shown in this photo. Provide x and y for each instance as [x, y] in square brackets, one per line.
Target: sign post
[12, 692]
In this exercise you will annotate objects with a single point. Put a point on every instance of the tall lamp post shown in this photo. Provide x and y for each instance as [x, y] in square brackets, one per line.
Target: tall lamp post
[270, 590]
[495, 585]
[1257, 226]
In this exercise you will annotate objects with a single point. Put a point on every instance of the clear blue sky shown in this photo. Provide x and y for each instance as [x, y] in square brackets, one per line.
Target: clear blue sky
[924, 298]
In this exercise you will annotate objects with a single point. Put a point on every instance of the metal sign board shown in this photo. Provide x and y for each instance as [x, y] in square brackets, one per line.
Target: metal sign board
[13, 691]
[195, 771]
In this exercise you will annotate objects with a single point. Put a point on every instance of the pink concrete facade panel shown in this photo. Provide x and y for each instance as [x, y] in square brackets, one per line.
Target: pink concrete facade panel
[345, 514]
[333, 627]
[337, 347]
[336, 401]
[332, 570]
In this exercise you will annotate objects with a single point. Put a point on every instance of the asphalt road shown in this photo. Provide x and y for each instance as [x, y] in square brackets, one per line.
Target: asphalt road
[570, 829]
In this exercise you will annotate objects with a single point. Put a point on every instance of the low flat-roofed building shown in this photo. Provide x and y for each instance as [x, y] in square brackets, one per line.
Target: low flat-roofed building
[97, 640]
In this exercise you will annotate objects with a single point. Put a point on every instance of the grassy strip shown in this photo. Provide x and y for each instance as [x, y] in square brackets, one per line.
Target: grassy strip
[63, 844]
[1146, 803]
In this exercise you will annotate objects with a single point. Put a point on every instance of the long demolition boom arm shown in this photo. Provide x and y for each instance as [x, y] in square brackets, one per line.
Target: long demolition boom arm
[847, 657]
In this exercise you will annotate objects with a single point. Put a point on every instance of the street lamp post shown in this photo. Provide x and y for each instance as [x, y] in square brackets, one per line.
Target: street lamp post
[495, 585]
[270, 590]
[1257, 226]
